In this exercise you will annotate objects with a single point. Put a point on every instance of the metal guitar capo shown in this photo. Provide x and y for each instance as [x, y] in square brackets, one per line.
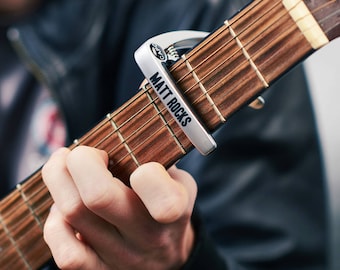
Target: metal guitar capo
[153, 58]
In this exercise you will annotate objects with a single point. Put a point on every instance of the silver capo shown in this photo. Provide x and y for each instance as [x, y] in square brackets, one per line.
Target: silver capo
[151, 58]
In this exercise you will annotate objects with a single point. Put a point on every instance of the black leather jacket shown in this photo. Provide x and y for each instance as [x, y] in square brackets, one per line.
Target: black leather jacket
[261, 193]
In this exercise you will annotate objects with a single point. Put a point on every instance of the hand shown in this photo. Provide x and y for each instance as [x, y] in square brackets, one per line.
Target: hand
[97, 222]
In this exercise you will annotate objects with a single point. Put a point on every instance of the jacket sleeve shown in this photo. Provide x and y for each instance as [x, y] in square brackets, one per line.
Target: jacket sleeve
[261, 193]
[204, 254]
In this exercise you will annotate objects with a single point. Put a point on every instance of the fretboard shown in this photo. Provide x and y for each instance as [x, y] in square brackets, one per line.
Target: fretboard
[227, 70]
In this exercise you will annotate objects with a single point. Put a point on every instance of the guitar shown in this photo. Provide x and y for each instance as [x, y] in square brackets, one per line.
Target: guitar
[224, 72]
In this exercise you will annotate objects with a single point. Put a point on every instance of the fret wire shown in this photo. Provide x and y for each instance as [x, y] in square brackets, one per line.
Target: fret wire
[24, 216]
[116, 113]
[202, 44]
[195, 102]
[13, 212]
[14, 243]
[43, 187]
[158, 110]
[223, 30]
[223, 62]
[190, 88]
[215, 34]
[246, 54]
[126, 121]
[110, 116]
[166, 123]
[123, 140]
[127, 104]
[206, 42]
[292, 28]
[113, 114]
[108, 136]
[10, 213]
[204, 90]
[44, 192]
[23, 195]
[218, 32]
[230, 25]
[139, 145]
[21, 240]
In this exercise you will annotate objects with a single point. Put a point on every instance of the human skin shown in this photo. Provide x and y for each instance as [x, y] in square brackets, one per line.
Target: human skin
[97, 222]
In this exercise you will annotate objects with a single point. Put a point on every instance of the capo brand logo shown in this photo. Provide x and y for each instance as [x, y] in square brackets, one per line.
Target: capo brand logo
[158, 52]
[171, 102]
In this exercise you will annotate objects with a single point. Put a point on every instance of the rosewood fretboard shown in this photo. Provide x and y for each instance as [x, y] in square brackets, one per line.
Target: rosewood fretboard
[224, 72]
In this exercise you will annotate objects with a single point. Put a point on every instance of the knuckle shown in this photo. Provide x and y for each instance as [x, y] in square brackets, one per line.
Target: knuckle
[171, 208]
[71, 210]
[98, 199]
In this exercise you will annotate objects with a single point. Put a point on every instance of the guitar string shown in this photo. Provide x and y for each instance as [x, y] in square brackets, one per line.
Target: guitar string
[142, 143]
[254, 55]
[337, 12]
[41, 188]
[129, 103]
[121, 109]
[223, 28]
[19, 238]
[118, 111]
[237, 19]
[195, 68]
[114, 114]
[234, 53]
[151, 102]
[221, 31]
[171, 119]
[35, 193]
[21, 232]
[145, 124]
[126, 105]
[165, 108]
[225, 60]
[141, 92]
[136, 98]
[28, 215]
[186, 91]
[154, 100]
